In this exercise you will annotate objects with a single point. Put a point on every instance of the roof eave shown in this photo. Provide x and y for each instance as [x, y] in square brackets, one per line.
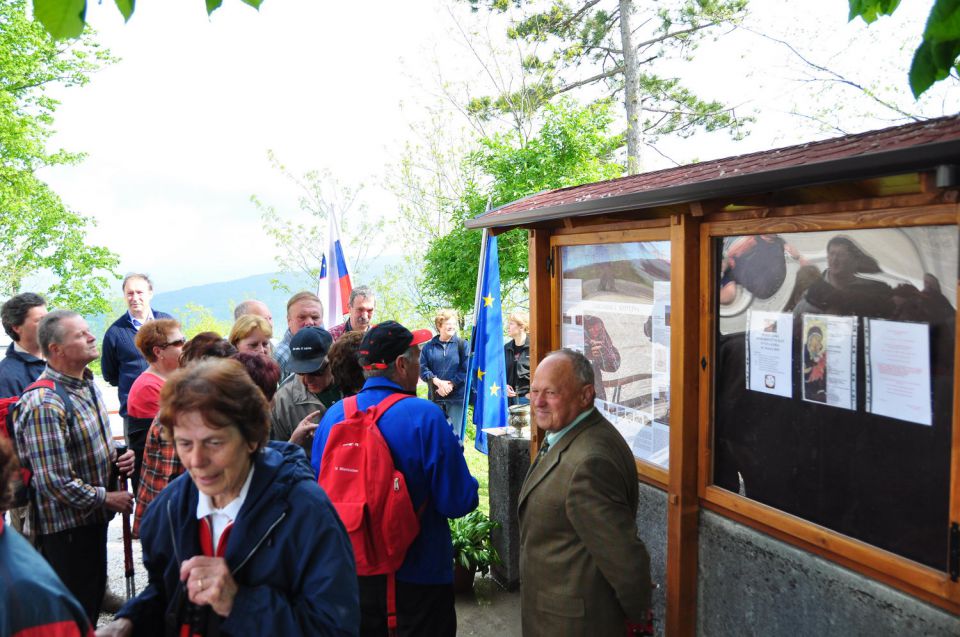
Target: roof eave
[890, 162]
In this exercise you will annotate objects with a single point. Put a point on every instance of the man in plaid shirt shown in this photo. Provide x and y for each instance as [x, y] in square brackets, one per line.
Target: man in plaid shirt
[71, 457]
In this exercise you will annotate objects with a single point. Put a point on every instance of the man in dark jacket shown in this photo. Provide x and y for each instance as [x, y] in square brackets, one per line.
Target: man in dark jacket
[24, 362]
[121, 361]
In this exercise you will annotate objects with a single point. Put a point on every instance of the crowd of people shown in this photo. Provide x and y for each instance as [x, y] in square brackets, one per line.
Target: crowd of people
[233, 445]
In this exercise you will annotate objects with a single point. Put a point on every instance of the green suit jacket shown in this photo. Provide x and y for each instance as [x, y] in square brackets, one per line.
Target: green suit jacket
[583, 570]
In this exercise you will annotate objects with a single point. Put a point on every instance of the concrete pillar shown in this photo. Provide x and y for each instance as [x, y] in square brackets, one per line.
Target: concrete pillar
[508, 461]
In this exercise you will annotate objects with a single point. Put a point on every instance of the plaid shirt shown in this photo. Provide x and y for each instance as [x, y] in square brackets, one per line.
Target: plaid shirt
[71, 463]
[339, 330]
[281, 354]
[160, 466]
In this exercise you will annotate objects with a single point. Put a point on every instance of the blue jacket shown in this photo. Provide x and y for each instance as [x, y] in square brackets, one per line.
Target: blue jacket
[120, 360]
[427, 453]
[33, 600]
[18, 370]
[447, 361]
[287, 550]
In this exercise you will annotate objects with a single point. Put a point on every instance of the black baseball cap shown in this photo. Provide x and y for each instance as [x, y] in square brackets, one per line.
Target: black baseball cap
[308, 349]
[384, 342]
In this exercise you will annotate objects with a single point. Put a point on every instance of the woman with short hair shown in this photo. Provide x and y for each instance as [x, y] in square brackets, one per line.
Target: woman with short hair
[443, 366]
[252, 334]
[247, 543]
[160, 462]
[161, 342]
[516, 354]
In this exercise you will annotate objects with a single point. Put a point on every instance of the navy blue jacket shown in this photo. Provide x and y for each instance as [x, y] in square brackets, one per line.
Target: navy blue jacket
[447, 361]
[33, 600]
[120, 360]
[429, 456]
[18, 370]
[287, 550]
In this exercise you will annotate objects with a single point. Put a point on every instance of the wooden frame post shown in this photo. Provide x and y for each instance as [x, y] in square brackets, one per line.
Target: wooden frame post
[541, 330]
[682, 498]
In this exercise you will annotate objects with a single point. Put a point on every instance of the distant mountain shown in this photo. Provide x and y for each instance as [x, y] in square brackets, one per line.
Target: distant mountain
[220, 298]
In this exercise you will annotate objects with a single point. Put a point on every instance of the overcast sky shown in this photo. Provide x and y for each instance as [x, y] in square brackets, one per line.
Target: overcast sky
[177, 132]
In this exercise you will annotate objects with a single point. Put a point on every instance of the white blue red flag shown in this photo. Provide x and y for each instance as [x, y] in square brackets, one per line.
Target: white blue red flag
[334, 289]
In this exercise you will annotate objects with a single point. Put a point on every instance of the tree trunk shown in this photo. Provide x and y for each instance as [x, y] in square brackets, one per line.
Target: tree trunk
[631, 87]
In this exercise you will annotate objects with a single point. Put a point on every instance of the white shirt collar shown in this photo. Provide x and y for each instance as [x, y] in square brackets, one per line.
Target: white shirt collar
[205, 505]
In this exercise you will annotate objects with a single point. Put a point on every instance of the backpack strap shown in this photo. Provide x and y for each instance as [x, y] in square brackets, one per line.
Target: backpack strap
[59, 390]
[350, 405]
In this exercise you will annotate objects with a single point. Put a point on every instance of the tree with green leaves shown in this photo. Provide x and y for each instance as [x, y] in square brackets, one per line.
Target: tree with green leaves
[621, 48]
[938, 56]
[302, 235]
[67, 18]
[39, 235]
[572, 147]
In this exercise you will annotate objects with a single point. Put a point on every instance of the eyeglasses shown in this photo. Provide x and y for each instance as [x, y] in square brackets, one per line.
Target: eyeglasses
[178, 343]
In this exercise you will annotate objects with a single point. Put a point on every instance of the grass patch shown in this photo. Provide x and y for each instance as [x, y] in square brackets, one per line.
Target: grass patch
[479, 468]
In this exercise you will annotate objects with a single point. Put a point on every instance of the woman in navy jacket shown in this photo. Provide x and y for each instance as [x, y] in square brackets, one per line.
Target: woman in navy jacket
[246, 543]
[443, 366]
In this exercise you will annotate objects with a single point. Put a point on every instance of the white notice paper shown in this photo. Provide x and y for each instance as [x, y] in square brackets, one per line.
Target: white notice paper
[770, 352]
[829, 373]
[898, 370]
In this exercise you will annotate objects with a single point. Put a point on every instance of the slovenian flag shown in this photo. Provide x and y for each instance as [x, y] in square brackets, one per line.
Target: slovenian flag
[488, 370]
[335, 287]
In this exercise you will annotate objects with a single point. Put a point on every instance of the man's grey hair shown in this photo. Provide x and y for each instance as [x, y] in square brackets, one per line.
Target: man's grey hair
[51, 329]
[364, 291]
[582, 369]
[243, 308]
[390, 372]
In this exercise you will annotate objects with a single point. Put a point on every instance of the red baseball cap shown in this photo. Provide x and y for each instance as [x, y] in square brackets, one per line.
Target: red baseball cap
[384, 342]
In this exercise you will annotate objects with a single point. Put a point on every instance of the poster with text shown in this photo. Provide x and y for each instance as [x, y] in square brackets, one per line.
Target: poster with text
[770, 353]
[659, 334]
[829, 355]
[898, 370]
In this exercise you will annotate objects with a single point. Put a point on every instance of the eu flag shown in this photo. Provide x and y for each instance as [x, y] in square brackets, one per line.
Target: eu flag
[488, 372]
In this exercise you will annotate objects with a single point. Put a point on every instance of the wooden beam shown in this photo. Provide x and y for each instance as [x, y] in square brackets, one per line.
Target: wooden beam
[541, 331]
[682, 500]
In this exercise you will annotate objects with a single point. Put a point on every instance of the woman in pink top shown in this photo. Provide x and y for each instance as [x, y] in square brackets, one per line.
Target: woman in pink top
[160, 342]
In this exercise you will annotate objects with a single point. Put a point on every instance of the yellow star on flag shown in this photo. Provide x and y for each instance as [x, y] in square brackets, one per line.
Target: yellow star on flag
[480, 374]
[494, 388]
[487, 301]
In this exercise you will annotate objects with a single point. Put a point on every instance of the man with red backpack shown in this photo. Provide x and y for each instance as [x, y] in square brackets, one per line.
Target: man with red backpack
[431, 468]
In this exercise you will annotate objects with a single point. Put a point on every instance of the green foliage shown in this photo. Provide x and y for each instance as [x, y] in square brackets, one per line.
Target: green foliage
[577, 45]
[472, 546]
[298, 235]
[573, 147]
[38, 234]
[938, 56]
[195, 318]
[64, 19]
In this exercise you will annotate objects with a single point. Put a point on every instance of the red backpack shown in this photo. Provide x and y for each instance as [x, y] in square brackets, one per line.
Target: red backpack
[9, 414]
[370, 494]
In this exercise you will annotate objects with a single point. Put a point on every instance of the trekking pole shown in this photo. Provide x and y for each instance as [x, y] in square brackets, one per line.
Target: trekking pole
[127, 537]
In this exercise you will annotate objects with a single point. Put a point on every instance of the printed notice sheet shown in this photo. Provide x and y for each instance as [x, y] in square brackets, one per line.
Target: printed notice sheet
[830, 360]
[770, 353]
[898, 370]
[660, 335]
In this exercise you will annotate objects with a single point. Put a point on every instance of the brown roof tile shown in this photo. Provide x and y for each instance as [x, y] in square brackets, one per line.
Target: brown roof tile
[861, 144]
